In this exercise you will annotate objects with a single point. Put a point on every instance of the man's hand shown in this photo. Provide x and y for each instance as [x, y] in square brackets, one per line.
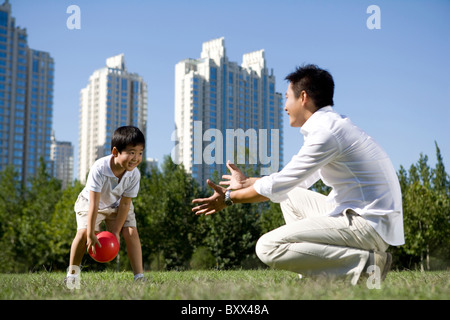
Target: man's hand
[213, 204]
[237, 180]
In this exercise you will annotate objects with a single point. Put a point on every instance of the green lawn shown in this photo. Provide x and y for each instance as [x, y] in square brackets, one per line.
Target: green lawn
[220, 285]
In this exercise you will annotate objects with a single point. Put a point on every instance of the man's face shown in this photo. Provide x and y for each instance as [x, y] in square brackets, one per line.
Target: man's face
[294, 108]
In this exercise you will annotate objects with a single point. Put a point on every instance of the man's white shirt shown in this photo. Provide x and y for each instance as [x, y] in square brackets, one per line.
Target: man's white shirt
[360, 173]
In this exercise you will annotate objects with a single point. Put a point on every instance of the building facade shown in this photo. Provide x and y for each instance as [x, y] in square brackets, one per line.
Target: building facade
[225, 111]
[26, 99]
[114, 97]
[61, 157]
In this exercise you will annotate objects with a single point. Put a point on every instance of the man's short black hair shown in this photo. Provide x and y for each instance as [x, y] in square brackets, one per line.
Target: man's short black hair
[317, 83]
[127, 135]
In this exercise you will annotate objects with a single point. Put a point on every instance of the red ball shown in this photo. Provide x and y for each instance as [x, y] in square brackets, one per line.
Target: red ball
[109, 249]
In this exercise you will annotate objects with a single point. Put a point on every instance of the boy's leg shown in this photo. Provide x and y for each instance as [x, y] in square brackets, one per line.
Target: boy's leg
[77, 249]
[131, 237]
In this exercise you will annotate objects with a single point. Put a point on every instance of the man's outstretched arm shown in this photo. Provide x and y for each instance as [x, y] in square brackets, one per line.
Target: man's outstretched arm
[216, 202]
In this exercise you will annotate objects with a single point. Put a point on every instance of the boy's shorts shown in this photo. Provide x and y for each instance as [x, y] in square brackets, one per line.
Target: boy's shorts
[108, 215]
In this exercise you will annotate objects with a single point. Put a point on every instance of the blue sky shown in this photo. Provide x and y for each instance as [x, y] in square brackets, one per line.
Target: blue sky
[393, 82]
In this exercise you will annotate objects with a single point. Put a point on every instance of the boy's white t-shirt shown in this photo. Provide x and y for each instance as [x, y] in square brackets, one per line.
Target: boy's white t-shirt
[102, 179]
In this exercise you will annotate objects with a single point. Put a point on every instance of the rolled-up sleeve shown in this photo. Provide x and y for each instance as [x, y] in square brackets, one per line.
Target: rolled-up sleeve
[264, 185]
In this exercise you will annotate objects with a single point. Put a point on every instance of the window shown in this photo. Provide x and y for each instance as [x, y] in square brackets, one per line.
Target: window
[213, 73]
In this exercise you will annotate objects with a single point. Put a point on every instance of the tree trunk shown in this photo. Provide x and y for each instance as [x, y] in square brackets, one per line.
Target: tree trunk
[421, 262]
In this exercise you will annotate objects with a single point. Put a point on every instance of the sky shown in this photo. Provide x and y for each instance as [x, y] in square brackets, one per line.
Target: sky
[393, 82]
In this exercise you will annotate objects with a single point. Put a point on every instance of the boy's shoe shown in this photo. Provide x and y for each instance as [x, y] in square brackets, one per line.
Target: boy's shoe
[72, 281]
[140, 278]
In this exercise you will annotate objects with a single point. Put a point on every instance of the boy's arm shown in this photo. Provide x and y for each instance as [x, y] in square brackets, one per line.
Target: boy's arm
[122, 213]
[92, 240]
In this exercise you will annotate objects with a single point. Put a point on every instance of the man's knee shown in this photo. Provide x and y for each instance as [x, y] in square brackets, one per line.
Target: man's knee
[263, 249]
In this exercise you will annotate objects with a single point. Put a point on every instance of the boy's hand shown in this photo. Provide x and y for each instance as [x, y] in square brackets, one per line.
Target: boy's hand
[116, 234]
[92, 240]
[122, 214]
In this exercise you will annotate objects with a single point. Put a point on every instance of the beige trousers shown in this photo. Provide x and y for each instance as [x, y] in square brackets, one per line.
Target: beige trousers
[108, 215]
[312, 243]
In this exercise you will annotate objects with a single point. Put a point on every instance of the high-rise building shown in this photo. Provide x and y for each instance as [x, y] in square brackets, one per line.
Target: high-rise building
[26, 99]
[113, 98]
[225, 111]
[61, 157]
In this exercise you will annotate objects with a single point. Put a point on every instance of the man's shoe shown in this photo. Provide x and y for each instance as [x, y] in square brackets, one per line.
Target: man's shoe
[378, 261]
[378, 265]
[383, 260]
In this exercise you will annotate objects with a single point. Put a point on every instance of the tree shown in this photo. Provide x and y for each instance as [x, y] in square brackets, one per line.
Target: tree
[271, 216]
[441, 182]
[167, 223]
[179, 189]
[426, 212]
[62, 227]
[32, 247]
[11, 206]
[150, 214]
[231, 234]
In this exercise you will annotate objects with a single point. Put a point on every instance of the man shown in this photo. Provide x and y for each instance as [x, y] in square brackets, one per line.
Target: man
[344, 234]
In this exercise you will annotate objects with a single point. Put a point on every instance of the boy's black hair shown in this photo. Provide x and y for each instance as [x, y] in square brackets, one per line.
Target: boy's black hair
[127, 135]
[317, 83]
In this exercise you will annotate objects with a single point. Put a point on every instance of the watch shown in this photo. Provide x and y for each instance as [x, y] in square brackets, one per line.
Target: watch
[228, 200]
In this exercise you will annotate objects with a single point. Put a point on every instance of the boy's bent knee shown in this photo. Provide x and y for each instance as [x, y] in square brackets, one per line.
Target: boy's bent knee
[129, 232]
[81, 233]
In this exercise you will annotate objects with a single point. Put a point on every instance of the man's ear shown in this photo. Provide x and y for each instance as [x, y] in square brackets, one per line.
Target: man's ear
[304, 96]
[307, 101]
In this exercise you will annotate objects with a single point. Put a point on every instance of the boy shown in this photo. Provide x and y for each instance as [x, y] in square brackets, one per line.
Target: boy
[111, 184]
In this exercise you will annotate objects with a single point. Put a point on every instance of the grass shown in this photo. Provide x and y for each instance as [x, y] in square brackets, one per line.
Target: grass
[220, 285]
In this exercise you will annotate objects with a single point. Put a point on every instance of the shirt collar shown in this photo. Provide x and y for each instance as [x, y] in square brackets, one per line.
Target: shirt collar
[107, 171]
[310, 123]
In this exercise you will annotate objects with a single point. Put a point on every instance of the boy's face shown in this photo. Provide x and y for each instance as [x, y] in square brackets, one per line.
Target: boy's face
[129, 158]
